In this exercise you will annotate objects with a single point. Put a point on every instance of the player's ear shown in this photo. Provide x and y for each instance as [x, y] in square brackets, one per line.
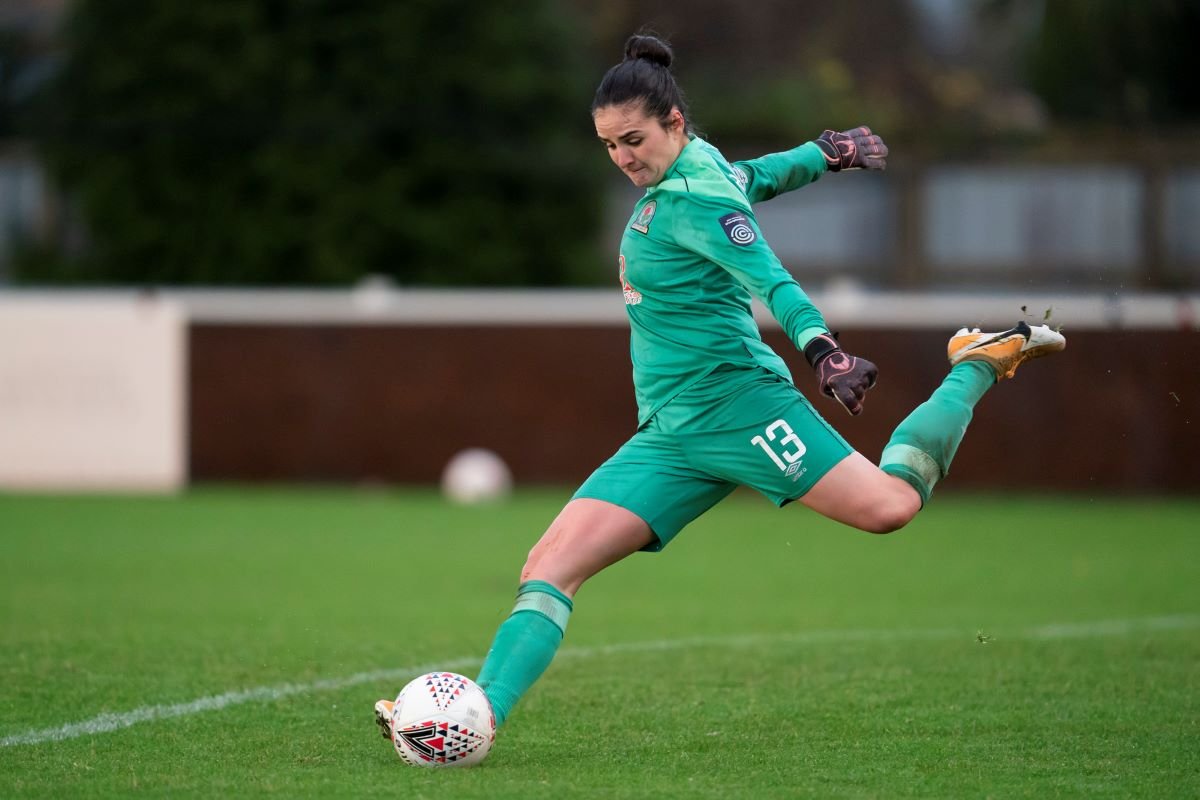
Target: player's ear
[675, 122]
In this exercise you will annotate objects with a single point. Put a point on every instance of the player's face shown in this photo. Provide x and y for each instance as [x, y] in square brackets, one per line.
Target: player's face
[642, 147]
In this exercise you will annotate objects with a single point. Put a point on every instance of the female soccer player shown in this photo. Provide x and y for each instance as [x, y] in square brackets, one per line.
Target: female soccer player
[717, 407]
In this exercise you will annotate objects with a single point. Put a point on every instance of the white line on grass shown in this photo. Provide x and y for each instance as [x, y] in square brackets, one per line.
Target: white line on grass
[105, 723]
[113, 722]
[1113, 627]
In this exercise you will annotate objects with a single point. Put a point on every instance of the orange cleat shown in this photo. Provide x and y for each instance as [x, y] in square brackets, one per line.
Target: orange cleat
[1007, 350]
[383, 717]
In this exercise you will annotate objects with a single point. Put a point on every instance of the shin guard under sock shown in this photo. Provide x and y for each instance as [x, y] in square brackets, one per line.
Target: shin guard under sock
[923, 445]
[525, 645]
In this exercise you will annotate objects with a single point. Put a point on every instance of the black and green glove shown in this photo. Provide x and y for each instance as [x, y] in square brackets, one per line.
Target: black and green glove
[843, 377]
[856, 149]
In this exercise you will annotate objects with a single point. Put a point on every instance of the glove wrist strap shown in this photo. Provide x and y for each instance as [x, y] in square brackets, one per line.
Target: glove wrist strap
[820, 348]
[833, 159]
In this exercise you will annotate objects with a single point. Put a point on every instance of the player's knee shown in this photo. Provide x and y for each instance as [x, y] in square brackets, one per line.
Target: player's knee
[893, 513]
[887, 521]
[529, 566]
[542, 557]
[533, 561]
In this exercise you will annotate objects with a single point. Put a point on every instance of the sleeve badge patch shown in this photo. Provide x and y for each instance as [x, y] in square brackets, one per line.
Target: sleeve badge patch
[738, 229]
[642, 223]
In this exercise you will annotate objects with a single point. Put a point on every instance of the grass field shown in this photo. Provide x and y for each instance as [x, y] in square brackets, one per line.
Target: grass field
[231, 642]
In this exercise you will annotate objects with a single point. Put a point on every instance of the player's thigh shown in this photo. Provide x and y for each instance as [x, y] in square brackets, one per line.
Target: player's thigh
[766, 435]
[858, 493]
[587, 536]
[651, 477]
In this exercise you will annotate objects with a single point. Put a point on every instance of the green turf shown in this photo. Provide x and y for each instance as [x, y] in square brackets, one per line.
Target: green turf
[998, 647]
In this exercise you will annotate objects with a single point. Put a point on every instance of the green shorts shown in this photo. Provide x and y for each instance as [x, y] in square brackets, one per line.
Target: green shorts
[736, 428]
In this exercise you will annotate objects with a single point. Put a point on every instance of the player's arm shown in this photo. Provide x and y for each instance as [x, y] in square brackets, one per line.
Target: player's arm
[777, 173]
[729, 236]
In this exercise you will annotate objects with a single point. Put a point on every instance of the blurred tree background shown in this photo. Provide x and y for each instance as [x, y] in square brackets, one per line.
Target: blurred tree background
[446, 142]
[317, 141]
[1132, 64]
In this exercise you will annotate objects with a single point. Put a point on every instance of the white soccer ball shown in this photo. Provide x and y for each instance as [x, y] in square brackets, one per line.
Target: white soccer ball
[475, 476]
[442, 720]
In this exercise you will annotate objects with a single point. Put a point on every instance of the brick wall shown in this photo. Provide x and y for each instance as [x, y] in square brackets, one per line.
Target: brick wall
[348, 403]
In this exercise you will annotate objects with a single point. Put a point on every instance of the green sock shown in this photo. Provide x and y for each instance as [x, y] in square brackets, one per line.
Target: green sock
[524, 645]
[923, 445]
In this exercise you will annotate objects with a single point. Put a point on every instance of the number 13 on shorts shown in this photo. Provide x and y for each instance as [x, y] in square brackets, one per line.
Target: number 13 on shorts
[787, 449]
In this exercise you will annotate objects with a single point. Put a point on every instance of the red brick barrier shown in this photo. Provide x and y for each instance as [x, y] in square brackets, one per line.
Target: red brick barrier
[1116, 412]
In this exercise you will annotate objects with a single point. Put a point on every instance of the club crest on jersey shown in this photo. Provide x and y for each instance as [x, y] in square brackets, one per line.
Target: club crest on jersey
[642, 223]
[738, 229]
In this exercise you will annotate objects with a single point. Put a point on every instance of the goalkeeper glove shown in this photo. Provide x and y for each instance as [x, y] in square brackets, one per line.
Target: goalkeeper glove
[856, 149]
[843, 377]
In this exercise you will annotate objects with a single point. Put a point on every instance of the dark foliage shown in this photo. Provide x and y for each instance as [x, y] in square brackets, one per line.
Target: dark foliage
[318, 141]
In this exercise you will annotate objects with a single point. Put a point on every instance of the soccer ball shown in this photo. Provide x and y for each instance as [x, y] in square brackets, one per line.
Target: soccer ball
[442, 719]
[475, 476]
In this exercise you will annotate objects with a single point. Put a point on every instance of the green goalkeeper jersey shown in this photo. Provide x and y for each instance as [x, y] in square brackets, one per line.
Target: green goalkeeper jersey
[692, 256]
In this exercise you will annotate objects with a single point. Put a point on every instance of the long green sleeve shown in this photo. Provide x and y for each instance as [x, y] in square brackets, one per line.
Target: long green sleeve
[772, 175]
[748, 258]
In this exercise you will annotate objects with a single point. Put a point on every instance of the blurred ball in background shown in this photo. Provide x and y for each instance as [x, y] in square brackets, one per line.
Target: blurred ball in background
[476, 475]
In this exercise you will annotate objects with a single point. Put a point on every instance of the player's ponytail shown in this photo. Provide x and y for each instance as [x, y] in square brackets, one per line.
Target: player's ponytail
[644, 76]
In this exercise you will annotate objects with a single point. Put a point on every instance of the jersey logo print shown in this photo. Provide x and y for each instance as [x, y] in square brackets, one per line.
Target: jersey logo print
[632, 295]
[738, 229]
[642, 223]
[739, 175]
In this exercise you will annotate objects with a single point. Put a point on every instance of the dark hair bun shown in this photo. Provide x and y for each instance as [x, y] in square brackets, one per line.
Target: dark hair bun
[650, 48]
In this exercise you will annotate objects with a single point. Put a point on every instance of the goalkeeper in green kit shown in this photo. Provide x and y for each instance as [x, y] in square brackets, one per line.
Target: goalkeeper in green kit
[717, 408]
